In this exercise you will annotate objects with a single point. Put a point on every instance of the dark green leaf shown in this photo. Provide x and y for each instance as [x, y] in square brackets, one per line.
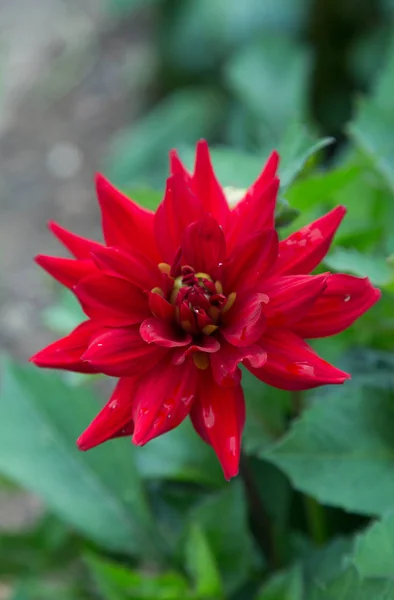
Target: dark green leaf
[348, 586]
[98, 492]
[345, 437]
[374, 550]
[285, 585]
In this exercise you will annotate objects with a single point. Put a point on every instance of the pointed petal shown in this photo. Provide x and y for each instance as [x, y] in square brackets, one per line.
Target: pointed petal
[122, 352]
[79, 246]
[113, 301]
[225, 363]
[218, 416]
[291, 297]
[163, 399]
[293, 365]
[207, 187]
[204, 246]
[133, 267]
[251, 261]
[66, 353]
[179, 208]
[125, 224]
[66, 270]
[163, 333]
[114, 420]
[303, 250]
[177, 167]
[254, 212]
[245, 321]
[343, 301]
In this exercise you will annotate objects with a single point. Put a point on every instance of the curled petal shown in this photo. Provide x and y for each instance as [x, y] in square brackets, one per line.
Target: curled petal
[207, 187]
[133, 267]
[291, 296]
[160, 307]
[66, 353]
[303, 250]
[66, 270]
[225, 363]
[79, 246]
[113, 301]
[251, 260]
[207, 344]
[179, 208]
[163, 333]
[122, 352]
[125, 224]
[245, 321]
[343, 301]
[204, 246]
[255, 211]
[293, 365]
[163, 399]
[218, 416]
[114, 420]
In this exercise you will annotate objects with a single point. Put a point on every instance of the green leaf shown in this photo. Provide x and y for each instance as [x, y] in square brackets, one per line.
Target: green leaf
[348, 586]
[222, 517]
[374, 551]
[349, 260]
[324, 564]
[139, 155]
[180, 455]
[145, 197]
[341, 451]
[202, 565]
[285, 585]
[256, 70]
[98, 492]
[116, 582]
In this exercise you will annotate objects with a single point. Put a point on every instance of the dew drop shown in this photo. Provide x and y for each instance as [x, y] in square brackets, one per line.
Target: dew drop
[209, 417]
[99, 345]
[301, 368]
[347, 298]
[113, 404]
[232, 445]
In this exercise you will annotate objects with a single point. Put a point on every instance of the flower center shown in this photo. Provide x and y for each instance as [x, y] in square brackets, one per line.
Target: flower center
[199, 301]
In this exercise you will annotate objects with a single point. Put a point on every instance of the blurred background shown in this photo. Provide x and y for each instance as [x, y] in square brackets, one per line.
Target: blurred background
[112, 85]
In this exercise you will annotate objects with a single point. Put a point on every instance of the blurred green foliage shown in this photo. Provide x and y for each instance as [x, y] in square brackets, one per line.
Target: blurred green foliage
[160, 522]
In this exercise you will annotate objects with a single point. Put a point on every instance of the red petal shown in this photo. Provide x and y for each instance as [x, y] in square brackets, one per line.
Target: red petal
[163, 333]
[204, 246]
[254, 212]
[66, 270]
[292, 296]
[207, 187]
[177, 167]
[293, 365]
[225, 363]
[251, 260]
[303, 250]
[114, 420]
[122, 352]
[179, 208]
[163, 399]
[113, 301]
[66, 353]
[160, 307]
[208, 344]
[245, 321]
[125, 224]
[134, 267]
[343, 301]
[219, 417]
[79, 246]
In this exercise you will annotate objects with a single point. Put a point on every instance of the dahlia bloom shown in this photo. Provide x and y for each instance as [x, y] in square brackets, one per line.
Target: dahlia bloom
[176, 300]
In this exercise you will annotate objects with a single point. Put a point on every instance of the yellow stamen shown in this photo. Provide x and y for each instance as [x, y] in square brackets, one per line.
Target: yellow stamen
[201, 360]
[157, 290]
[218, 287]
[164, 268]
[208, 329]
[230, 301]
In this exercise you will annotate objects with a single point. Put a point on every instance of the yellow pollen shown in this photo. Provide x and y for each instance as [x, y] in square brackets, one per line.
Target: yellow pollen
[208, 329]
[201, 360]
[230, 301]
[164, 268]
[218, 287]
[157, 290]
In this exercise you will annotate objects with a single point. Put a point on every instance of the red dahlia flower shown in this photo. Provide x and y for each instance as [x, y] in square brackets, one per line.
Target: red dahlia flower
[177, 299]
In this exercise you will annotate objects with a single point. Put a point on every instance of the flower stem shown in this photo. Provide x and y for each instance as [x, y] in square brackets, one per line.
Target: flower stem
[259, 518]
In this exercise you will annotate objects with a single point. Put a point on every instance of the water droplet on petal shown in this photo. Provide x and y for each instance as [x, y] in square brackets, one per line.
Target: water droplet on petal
[99, 345]
[113, 404]
[301, 368]
[232, 445]
[209, 417]
[347, 298]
